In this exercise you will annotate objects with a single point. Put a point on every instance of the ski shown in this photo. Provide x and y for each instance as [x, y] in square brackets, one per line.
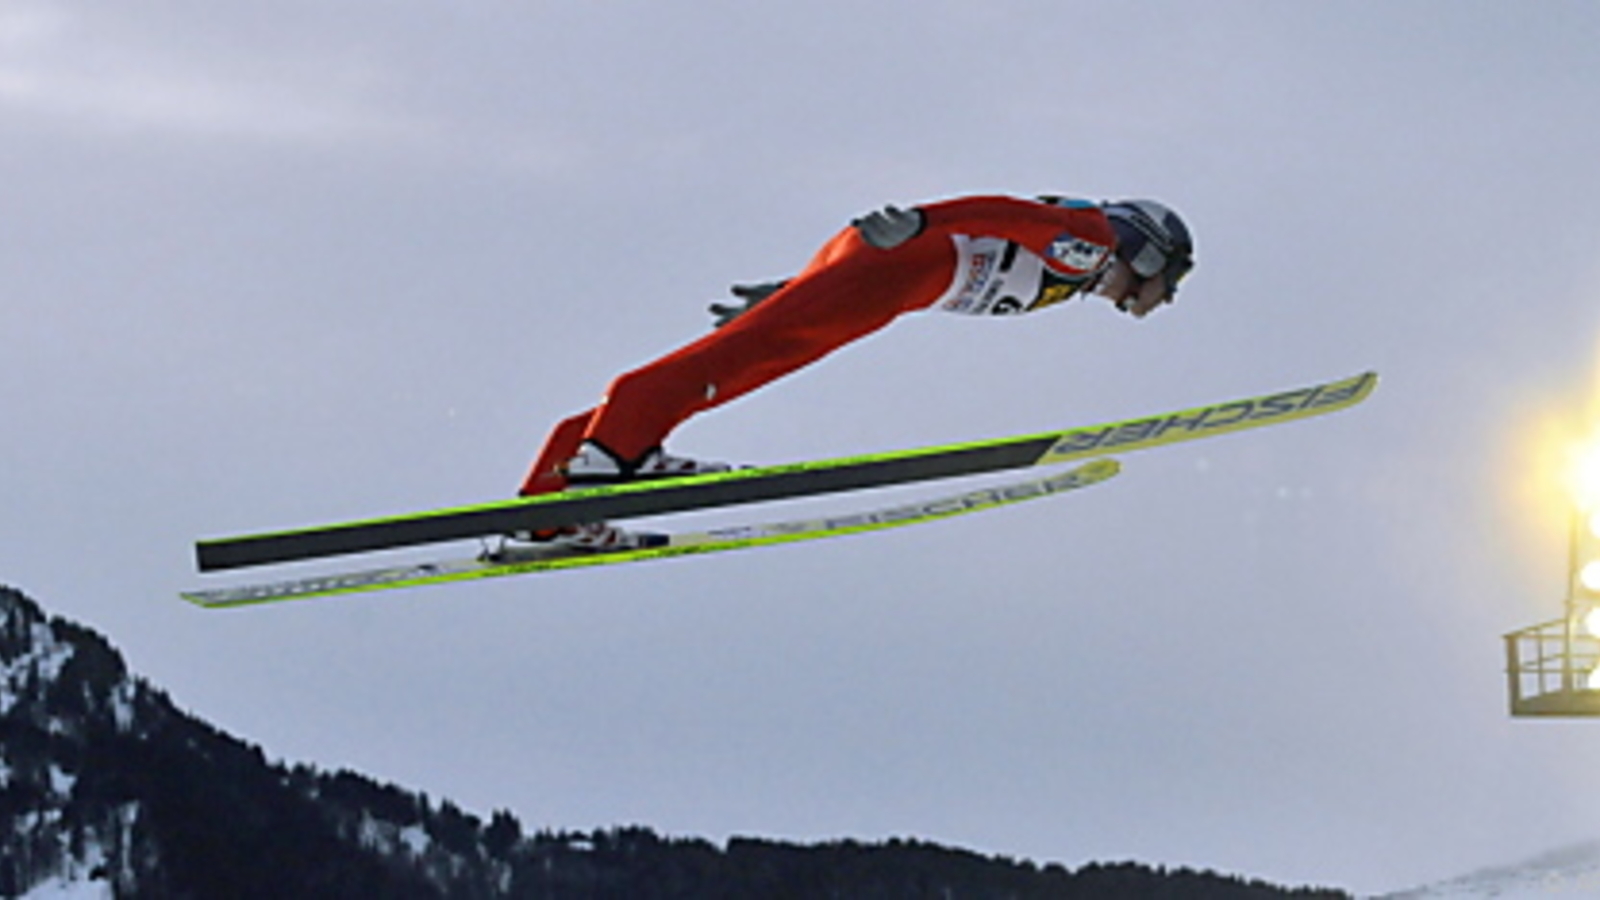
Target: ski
[525, 560]
[782, 481]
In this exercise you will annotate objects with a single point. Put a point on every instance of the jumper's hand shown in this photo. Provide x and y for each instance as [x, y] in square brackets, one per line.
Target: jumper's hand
[751, 294]
[889, 227]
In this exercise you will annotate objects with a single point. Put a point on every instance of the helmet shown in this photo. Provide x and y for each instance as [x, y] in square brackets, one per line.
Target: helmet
[1152, 240]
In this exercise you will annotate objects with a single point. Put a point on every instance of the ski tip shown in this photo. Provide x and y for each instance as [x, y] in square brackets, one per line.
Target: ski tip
[207, 600]
[1100, 469]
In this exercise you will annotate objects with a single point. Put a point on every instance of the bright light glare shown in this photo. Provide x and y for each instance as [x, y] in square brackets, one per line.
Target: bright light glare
[1589, 577]
[1584, 473]
[1593, 682]
[1591, 622]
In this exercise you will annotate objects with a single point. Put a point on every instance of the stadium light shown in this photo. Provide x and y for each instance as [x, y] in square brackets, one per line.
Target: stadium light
[1554, 668]
[1583, 591]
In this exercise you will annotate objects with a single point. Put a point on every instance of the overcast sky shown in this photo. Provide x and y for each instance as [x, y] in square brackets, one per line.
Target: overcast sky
[267, 266]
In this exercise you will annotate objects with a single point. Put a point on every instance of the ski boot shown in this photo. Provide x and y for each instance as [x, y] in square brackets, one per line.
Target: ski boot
[593, 537]
[594, 464]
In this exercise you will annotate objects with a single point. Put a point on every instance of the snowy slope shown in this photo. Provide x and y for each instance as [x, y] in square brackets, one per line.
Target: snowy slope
[67, 888]
[1573, 872]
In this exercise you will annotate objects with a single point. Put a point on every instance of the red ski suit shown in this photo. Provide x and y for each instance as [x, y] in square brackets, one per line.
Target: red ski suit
[982, 255]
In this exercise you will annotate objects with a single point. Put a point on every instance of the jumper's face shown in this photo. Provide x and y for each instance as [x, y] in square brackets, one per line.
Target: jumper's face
[1133, 295]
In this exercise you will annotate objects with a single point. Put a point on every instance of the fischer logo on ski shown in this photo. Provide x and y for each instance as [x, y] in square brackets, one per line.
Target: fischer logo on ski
[1222, 417]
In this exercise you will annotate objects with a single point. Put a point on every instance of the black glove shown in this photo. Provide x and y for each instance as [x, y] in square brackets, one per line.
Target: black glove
[751, 294]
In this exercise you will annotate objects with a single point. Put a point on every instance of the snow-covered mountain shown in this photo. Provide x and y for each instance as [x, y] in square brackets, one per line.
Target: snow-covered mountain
[1572, 872]
[62, 690]
[109, 790]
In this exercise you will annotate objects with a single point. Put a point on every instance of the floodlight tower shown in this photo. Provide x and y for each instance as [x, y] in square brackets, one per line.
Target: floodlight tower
[1553, 668]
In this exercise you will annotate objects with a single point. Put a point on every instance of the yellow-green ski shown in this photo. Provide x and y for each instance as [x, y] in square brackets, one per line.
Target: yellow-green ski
[782, 481]
[525, 560]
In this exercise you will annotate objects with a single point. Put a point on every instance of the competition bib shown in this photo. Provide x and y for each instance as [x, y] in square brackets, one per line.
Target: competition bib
[997, 277]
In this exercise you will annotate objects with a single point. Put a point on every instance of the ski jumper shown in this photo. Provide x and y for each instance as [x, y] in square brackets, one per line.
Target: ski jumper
[975, 255]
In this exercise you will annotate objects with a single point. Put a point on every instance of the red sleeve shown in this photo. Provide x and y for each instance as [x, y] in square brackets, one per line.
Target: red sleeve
[1074, 240]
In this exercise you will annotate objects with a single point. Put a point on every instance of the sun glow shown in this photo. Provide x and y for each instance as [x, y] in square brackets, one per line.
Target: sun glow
[1583, 474]
[1557, 461]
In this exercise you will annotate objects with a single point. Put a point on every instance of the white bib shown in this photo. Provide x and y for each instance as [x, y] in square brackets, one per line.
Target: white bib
[997, 277]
